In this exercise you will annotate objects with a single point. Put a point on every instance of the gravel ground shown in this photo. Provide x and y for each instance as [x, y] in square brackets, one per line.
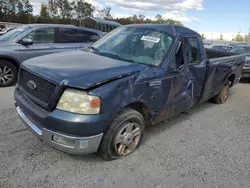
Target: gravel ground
[209, 146]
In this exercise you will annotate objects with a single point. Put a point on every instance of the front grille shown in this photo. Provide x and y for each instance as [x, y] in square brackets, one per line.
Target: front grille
[43, 90]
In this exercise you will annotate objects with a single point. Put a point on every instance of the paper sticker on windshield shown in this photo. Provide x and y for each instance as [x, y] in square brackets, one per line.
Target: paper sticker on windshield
[151, 39]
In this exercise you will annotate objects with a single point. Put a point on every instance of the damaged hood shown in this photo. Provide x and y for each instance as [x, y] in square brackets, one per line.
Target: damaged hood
[80, 69]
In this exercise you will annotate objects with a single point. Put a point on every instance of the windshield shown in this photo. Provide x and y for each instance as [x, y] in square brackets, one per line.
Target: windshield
[133, 44]
[14, 33]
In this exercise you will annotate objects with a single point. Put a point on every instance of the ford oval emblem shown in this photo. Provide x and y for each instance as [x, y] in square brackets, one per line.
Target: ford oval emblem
[31, 84]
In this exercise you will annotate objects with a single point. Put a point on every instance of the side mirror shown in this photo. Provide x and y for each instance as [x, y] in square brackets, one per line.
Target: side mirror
[26, 42]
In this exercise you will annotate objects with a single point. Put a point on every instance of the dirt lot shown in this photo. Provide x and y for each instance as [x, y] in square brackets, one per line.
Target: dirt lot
[207, 147]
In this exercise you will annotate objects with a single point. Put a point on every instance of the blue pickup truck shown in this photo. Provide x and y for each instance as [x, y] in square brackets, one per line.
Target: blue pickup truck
[101, 99]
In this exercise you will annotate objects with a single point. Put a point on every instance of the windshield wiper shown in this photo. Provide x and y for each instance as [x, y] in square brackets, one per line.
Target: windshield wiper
[126, 59]
[118, 57]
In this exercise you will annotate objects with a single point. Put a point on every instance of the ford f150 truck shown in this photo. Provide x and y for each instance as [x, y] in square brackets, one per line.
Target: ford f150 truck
[102, 98]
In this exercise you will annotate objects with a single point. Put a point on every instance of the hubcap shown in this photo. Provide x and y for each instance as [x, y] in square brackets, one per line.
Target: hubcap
[127, 139]
[6, 75]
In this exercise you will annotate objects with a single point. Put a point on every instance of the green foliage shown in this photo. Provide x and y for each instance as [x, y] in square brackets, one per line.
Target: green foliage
[203, 36]
[221, 37]
[82, 9]
[53, 10]
[142, 19]
[105, 13]
[16, 11]
[238, 38]
[65, 9]
[246, 38]
[66, 12]
[44, 14]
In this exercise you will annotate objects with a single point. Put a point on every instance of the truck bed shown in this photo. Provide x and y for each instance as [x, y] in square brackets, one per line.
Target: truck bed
[221, 65]
[215, 53]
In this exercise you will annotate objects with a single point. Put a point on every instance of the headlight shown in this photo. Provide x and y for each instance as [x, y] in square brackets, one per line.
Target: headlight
[79, 102]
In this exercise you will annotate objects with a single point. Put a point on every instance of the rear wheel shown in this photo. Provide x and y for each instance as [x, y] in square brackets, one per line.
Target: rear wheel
[223, 95]
[8, 73]
[123, 135]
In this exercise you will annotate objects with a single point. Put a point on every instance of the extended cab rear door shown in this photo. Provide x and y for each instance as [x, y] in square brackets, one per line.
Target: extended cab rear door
[196, 60]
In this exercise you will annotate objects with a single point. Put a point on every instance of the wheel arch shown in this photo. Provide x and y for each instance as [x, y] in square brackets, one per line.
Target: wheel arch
[143, 109]
[12, 60]
[231, 78]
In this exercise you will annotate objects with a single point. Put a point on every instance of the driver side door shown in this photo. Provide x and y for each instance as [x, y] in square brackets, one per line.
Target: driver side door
[177, 86]
[43, 43]
[182, 86]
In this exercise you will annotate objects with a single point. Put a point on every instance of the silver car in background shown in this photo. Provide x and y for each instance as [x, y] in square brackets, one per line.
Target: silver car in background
[244, 50]
[35, 40]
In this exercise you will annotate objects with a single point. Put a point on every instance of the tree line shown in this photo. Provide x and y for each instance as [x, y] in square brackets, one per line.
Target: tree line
[73, 12]
[16, 11]
[239, 37]
[66, 12]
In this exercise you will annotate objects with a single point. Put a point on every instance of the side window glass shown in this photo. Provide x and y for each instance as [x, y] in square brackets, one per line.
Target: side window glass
[41, 36]
[86, 36]
[94, 37]
[67, 35]
[248, 49]
[194, 51]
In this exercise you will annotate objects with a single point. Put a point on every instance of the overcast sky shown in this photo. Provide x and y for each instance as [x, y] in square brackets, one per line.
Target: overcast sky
[226, 16]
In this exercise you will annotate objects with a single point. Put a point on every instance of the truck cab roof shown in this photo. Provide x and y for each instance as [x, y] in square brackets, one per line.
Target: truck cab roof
[174, 30]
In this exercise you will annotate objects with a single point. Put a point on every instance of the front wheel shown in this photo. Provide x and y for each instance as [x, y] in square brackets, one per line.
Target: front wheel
[123, 135]
[222, 96]
[8, 73]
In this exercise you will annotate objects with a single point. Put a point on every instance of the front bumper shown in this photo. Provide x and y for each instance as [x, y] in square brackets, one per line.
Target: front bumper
[69, 144]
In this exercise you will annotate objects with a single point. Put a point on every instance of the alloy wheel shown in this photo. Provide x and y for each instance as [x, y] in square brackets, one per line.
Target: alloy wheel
[127, 139]
[6, 74]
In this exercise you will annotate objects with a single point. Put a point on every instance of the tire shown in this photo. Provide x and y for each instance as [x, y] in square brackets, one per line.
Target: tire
[222, 96]
[8, 73]
[118, 141]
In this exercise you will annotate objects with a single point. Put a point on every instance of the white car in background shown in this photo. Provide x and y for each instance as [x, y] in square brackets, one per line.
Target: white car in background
[6, 30]
[207, 44]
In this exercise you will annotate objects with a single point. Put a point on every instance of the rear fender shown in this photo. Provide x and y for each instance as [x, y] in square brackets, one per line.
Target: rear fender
[14, 61]
[231, 78]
